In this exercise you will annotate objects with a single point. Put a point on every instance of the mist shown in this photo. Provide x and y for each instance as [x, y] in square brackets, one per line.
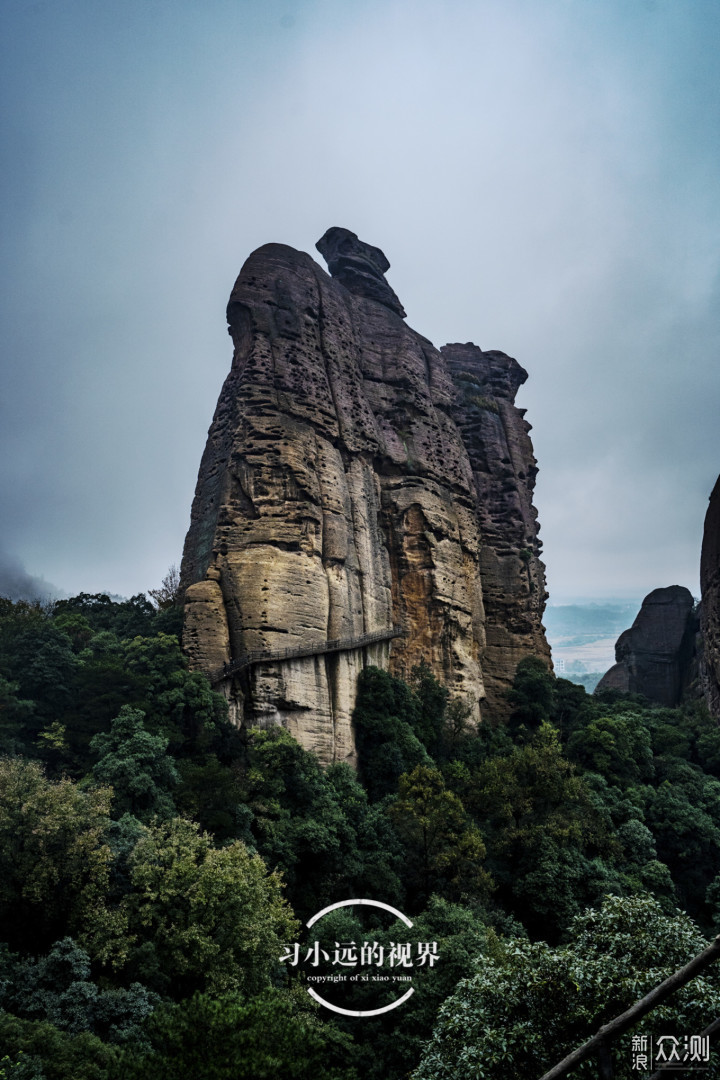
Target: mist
[17, 584]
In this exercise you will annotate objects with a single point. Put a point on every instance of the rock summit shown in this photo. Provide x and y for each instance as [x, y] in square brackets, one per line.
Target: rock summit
[364, 497]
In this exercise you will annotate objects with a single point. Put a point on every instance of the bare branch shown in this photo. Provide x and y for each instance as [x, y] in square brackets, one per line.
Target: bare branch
[169, 591]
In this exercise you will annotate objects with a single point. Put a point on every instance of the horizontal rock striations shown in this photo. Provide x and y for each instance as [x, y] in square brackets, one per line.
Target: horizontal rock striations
[352, 483]
[710, 606]
[656, 656]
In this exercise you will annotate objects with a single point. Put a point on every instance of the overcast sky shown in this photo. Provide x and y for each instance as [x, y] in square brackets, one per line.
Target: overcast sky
[543, 176]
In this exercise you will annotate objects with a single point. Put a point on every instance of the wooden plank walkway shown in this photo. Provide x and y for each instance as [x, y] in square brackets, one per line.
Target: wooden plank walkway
[317, 648]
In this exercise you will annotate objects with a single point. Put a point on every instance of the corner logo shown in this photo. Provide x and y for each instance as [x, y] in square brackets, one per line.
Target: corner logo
[370, 956]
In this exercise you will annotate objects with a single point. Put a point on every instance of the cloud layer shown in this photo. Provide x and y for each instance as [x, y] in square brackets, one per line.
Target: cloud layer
[542, 175]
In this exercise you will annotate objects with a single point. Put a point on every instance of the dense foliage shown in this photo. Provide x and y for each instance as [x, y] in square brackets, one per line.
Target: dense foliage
[527, 1005]
[155, 861]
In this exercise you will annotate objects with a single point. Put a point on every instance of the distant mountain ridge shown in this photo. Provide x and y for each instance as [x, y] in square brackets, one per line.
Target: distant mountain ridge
[576, 623]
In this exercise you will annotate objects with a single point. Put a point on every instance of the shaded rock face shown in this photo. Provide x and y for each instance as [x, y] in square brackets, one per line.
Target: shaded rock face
[497, 439]
[710, 607]
[337, 497]
[360, 267]
[656, 656]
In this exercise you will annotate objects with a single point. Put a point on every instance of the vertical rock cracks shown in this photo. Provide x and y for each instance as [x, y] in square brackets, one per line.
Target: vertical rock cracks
[354, 479]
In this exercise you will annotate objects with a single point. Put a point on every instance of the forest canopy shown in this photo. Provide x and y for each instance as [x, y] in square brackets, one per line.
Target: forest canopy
[155, 861]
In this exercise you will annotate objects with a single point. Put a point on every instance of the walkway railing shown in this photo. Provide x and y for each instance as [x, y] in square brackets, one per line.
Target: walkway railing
[317, 648]
[600, 1043]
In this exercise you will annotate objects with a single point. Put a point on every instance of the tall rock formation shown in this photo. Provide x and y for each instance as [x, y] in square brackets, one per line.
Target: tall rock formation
[497, 439]
[356, 479]
[710, 606]
[656, 656]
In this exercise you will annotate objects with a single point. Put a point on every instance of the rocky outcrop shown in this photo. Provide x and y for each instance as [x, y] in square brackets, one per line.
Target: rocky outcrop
[360, 267]
[497, 439]
[656, 656]
[338, 497]
[710, 607]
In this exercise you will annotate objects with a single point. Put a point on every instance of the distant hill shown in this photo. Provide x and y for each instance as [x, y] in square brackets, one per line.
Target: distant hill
[17, 584]
[582, 636]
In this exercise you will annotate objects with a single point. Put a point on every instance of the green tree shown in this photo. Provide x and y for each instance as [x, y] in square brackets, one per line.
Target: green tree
[545, 833]
[125, 618]
[376, 871]
[316, 826]
[683, 813]
[204, 918]
[147, 673]
[572, 707]
[432, 699]
[77, 628]
[37, 1050]
[390, 1047]
[102, 685]
[532, 695]
[634, 859]
[54, 861]
[386, 718]
[444, 851]
[273, 1036]
[528, 1005]
[211, 793]
[59, 988]
[178, 703]
[15, 717]
[169, 601]
[619, 747]
[708, 745]
[44, 665]
[134, 762]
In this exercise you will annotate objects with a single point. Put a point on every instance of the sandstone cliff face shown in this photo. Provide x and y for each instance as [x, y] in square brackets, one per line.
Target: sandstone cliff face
[710, 607]
[337, 498]
[497, 439]
[656, 656]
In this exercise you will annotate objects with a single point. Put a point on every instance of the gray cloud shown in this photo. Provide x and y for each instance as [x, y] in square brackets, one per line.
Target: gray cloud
[541, 174]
